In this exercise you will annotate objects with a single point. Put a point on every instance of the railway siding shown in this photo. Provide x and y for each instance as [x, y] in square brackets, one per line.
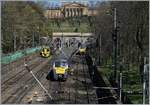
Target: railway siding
[19, 87]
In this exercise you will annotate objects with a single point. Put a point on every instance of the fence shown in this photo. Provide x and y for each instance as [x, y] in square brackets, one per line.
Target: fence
[18, 54]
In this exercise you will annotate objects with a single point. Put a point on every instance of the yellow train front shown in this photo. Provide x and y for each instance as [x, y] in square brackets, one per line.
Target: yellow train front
[59, 70]
[45, 52]
[81, 50]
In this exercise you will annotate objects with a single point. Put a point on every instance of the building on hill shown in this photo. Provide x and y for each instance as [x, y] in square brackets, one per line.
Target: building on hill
[69, 10]
[53, 13]
[84, 2]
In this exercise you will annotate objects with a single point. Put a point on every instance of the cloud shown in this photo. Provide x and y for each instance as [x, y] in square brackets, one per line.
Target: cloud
[56, 3]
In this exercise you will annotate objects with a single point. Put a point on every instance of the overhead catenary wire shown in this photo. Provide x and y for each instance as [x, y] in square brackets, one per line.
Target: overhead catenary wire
[30, 71]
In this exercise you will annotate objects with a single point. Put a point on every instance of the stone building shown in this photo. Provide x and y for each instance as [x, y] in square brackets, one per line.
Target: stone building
[69, 10]
[53, 13]
[74, 9]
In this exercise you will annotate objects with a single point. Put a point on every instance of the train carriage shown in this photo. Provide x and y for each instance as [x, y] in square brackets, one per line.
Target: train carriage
[81, 50]
[45, 52]
[59, 71]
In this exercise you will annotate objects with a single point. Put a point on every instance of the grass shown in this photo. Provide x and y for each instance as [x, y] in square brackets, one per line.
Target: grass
[131, 81]
[136, 99]
[106, 71]
[69, 26]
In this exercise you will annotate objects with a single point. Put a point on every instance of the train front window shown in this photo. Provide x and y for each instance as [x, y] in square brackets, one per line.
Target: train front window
[57, 64]
[83, 46]
[63, 64]
[60, 64]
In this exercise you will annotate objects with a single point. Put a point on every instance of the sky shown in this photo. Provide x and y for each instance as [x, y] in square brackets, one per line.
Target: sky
[57, 3]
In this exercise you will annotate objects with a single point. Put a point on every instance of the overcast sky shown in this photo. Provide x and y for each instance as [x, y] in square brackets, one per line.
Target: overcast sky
[55, 3]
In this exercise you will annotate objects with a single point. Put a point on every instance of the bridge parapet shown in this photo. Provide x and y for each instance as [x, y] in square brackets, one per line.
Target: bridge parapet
[72, 34]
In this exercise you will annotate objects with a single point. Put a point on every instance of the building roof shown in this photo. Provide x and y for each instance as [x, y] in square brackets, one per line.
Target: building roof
[74, 4]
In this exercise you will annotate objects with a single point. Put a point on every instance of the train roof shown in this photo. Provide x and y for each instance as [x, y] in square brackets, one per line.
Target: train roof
[61, 60]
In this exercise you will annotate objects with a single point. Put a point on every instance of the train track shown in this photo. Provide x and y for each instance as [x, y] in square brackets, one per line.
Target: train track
[20, 93]
[17, 69]
[40, 92]
[81, 86]
[21, 90]
[85, 76]
[75, 90]
[76, 87]
[57, 89]
[85, 94]
[6, 68]
[16, 77]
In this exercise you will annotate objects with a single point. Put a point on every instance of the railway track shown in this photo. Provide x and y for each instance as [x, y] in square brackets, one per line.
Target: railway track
[58, 91]
[16, 77]
[81, 95]
[39, 91]
[76, 87]
[85, 84]
[61, 91]
[17, 70]
[6, 68]
[19, 90]
[74, 90]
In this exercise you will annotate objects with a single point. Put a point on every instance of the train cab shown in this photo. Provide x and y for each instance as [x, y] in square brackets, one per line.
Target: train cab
[59, 70]
[82, 50]
[45, 52]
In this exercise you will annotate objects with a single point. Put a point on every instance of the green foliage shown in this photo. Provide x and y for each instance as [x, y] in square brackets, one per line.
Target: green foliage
[132, 21]
[136, 99]
[21, 20]
[69, 25]
[131, 82]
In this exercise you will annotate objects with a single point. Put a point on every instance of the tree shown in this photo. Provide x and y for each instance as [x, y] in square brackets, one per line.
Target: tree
[132, 20]
[21, 22]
